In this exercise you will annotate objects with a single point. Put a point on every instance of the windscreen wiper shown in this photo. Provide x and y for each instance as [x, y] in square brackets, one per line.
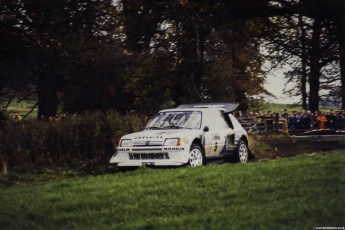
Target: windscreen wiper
[175, 127]
[154, 127]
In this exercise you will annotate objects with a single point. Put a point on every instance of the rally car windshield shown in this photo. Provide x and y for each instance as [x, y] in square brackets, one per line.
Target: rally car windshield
[176, 120]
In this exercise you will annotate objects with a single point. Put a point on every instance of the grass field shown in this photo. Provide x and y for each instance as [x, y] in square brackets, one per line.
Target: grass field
[22, 108]
[292, 193]
[294, 107]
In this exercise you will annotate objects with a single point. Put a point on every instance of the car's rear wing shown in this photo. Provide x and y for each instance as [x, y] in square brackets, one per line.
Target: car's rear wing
[225, 107]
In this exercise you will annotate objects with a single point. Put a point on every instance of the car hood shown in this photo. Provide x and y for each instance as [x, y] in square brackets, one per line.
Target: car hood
[161, 135]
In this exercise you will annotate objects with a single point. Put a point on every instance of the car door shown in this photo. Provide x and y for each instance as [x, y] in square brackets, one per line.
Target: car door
[216, 138]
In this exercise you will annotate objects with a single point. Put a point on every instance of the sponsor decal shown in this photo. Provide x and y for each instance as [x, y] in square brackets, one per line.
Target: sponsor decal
[202, 138]
[185, 140]
[174, 149]
[149, 137]
[216, 137]
[148, 156]
[209, 106]
[123, 149]
[225, 146]
[166, 132]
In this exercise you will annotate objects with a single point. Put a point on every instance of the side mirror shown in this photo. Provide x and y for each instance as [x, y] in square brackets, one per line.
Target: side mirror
[206, 129]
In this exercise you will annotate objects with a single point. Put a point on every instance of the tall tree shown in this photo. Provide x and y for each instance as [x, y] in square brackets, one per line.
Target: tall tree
[196, 34]
[307, 36]
[50, 31]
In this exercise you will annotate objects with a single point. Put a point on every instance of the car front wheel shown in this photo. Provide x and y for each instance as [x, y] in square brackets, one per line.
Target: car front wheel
[196, 157]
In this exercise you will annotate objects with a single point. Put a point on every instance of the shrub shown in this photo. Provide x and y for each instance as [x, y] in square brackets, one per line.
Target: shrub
[83, 141]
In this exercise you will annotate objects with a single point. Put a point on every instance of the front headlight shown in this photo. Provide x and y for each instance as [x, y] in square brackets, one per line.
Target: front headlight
[125, 143]
[172, 142]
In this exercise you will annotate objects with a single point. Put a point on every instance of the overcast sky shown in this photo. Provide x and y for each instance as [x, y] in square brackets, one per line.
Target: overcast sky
[275, 83]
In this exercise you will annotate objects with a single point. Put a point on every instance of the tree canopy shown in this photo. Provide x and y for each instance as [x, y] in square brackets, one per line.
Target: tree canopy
[146, 55]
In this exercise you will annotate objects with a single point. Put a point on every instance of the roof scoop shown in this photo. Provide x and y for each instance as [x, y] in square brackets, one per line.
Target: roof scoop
[225, 107]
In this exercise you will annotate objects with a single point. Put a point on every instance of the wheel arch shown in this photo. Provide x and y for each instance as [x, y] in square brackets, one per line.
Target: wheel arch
[198, 142]
[245, 139]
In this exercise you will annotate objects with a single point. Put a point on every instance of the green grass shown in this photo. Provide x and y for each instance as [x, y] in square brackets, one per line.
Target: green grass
[295, 107]
[22, 107]
[292, 193]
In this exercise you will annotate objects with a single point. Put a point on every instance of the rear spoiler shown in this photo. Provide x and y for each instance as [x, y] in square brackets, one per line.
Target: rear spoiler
[225, 107]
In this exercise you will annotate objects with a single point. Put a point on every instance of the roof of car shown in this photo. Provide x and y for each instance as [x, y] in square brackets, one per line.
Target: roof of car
[225, 107]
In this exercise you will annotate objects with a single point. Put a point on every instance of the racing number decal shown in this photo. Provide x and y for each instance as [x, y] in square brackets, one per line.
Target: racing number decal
[215, 147]
[216, 144]
[213, 143]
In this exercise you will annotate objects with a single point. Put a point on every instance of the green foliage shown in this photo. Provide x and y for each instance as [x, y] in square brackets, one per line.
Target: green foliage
[295, 193]
[266, 106]
[84, 141]
[151, 82]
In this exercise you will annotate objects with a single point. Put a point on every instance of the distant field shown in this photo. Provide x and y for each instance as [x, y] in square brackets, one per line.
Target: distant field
[293, 107]
[293, 193]
[24, 107]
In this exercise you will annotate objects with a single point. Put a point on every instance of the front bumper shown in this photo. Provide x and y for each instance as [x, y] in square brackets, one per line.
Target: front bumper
[152, 155]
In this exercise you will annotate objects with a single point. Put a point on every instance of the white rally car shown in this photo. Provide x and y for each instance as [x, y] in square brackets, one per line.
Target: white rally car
[189, 134]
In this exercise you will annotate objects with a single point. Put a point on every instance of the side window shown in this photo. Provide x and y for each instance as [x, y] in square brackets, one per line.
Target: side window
[234, 121]
[218, 121]
[228, 120]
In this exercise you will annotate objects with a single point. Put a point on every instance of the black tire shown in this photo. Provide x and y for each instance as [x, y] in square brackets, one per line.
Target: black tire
[242, 152]
[197, 156]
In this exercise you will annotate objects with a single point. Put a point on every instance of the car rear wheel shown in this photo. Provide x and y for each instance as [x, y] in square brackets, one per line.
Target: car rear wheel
[242, 152]
[197, 157]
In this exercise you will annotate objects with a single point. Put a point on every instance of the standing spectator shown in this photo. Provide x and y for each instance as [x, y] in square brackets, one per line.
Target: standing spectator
[239, 114]
[285, 114]
[292, 121]
[251, 114]
[277, 118]
[339, 120]
[307, 120]
[298, 122]
[17, 117]
[321, 120]
[313, 121]
[330, 119]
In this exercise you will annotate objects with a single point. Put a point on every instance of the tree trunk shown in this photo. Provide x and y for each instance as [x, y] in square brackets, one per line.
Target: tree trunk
[304, 64]
[47, 93]
[341, 41]
[192, 54]
[314, 78]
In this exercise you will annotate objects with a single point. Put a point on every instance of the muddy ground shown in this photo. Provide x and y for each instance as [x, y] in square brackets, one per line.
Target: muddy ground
[279, 146]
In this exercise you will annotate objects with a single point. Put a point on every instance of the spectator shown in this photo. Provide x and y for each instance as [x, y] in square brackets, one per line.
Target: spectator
[239, 114]
[277, 118]
[306, 120]
[17, 117]
[321, 119]
[303, 120]
[331, 118]
[292, 121]
[285, 114]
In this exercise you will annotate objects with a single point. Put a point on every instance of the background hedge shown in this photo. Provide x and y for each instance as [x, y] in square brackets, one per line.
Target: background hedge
[84, 141]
